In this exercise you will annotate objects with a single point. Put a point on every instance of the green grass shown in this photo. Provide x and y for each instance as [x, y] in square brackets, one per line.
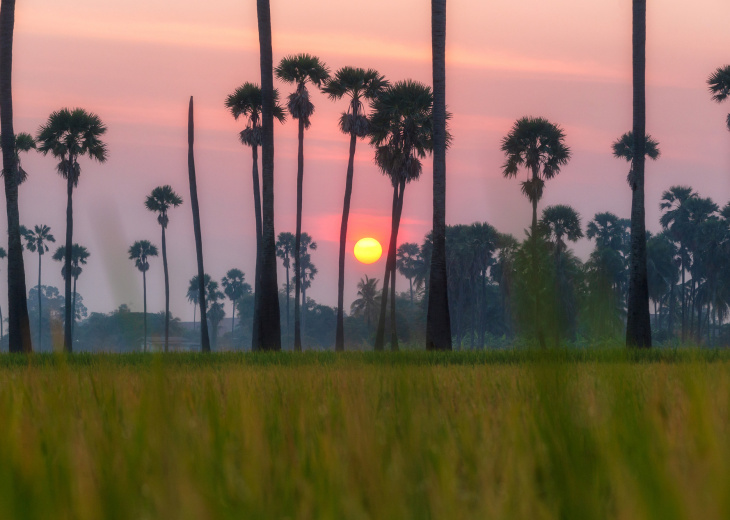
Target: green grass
[497, 434]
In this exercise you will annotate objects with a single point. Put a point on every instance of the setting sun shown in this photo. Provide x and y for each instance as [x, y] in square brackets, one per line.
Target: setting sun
[368, 250]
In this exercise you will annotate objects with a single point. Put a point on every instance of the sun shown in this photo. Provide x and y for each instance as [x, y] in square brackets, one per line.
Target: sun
[368, 250]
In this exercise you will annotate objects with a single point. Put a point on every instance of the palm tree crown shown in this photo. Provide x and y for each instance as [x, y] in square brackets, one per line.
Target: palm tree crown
[234, 285]
[247, 102]
[301, 69]
[160, 200]
[140, 251]
[623, 148]
[69, 134]
[37, 239]
[24, 142]
[537, 145]
[79, 255]
[719, 84]
[358, 84]
[562, 221]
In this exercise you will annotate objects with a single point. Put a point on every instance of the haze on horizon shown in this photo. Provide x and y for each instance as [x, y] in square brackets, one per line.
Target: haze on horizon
[136, 63]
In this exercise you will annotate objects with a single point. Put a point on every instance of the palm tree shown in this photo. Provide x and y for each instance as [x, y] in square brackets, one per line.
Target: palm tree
[368, 301]
[235, 287]
[358, 84]
[284, 250]
[79, 255]
[3, 254]
[37, 240]
[401, 129]
[160, 201]
[216, 312]
[538, 146]
[267, 326]
[438, 327]
[140, 252]
[675, 221]
[623, 148]
[19, 340]
[69, 135]
[300, 70]
[307, 272]
[204, 337]
[193, 294]
[24, 142]
[408, 262]
[247, 102]
[638, 320]
[719, 83]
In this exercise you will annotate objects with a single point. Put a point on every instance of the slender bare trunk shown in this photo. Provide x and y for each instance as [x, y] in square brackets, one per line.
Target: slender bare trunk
[340, 334]
[269, 335]
[167, 290]
[68, 326]
[257, 279]
[40, 310]
[298, 240]
[380, 333]
[144, 299]
[18, 324]
[393, 271]
[638, 323]
[204, 337]
[438, 322]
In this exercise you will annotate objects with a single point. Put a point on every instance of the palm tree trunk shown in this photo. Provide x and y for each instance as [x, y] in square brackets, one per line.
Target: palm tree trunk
[288, 315]
[340, 334]
[204, 337]
[233, 317]
[195, 310]
[393, 271]
[167, 290]
[380, 333]
[19, 326]
[303, 310]
[638, 323]
[68, 328]
[438, 321]
[257, 279]
[298, 240]
[144, 298]
[73, 307]
[269, 336]
[40, 311]
[2, 331]
[393, 327]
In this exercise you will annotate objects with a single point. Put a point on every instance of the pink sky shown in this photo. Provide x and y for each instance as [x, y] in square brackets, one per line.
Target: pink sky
[136, 63]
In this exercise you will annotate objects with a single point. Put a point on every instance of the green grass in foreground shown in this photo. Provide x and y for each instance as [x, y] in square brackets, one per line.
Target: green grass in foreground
[506, 434]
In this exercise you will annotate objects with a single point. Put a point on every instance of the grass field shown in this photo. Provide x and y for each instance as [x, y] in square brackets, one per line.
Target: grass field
[506, 434]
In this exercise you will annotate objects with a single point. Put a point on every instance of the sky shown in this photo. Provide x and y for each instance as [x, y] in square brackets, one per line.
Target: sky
[135, 63]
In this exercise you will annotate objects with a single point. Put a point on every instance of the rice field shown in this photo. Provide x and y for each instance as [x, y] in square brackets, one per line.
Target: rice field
[501, 434]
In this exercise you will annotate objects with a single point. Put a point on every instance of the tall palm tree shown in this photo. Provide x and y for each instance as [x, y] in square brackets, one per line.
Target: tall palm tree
[267, 327]
[284, 250]
[204, 337]
[140, 252]
[69, 135]
[300, 70]
[235, 287]
[368, 301]
[638, 320]
[675, 221]
[37, 240]
[719, 84]
[438, 327]
[561, 222]
[160, 201]
[19, 340]
[3, 254]
[79, 255]
[247, 102]
[538, 146]
[359, 85]
[401, 129]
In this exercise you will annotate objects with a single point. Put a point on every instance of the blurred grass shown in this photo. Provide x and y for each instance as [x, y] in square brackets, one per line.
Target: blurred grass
[497, 434]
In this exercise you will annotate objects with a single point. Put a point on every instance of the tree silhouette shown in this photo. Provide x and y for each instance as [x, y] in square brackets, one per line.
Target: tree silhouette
[247, 102]
[408, 262]
[300, 70]
[79, 255]
[284, 250]
[140, 252]
[368, 300]
[623, 148]
[235, 288]
[401, 129]
[359, 85]
[19, 327]
[37, 240]
[719, 84]
[160, 201]
[69, 135]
